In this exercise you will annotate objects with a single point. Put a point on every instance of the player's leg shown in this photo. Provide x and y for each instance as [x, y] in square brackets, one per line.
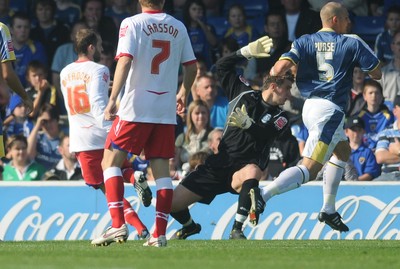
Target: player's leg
[119, 141]
[182, 198]
[159, 149]
[139, 181]
[245, 181]
[93, 175]
[132, 218]
[319, 116]
[332, 177]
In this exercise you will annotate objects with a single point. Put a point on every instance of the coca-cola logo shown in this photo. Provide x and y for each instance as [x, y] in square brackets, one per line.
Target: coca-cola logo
[367, 216]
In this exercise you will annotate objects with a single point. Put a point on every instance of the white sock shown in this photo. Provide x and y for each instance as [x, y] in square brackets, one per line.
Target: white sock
[332, 177]
[240, 218]
[289, 179]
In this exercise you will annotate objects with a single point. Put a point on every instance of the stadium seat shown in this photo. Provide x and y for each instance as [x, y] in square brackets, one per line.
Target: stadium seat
[389, 3]
[220, 24]
[368, 27]
[253, 8]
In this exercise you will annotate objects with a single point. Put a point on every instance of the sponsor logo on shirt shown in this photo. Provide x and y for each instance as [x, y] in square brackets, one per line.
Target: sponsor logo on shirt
[266, 118]
[280, 122]
[122, 31]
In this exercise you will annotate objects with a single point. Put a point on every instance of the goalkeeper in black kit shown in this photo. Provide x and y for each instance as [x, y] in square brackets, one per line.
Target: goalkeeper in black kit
[254, 121]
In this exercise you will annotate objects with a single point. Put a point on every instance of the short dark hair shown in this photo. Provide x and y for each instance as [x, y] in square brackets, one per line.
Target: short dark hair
[35, 65]
[84, 4]
[49, 3]
[52, 110]
[268, 79]
[16, 138]
[373, 83]
[19, 15]
[84, 38]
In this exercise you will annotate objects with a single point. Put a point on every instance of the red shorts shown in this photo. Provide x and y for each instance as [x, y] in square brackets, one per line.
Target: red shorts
[91, 166]
[157, 140]
[92, 171]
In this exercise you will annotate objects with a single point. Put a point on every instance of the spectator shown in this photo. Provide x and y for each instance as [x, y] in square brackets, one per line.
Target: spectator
[45, 137]
[65, 54]
[196, 135]
[275, 27]
[207, 91]
[118, 10]
[201, 71]
[375, 114]
[107, 58]
[67, 12]
[214, 137]
[93, 16]
[240, 30]
[17, 122]
[5, 12]
[299, 19]
[356, 100]
[40, 90]
[246, 68]
[26, 50]
[384, 40]
[391, 72]
[356, 7]
[21, 168]
[213, 7]
[68, 167]
[202, 36]
[387, 151]
[196, 159]
[300, 131]
[48, 31]
[284, 153]
[361, 156]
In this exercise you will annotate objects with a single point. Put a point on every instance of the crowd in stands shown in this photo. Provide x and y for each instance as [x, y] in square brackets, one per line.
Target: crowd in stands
[43, 32]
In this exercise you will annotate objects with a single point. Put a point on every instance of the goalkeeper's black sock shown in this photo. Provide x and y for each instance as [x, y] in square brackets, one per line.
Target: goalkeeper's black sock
[244, 202]
[183, 217]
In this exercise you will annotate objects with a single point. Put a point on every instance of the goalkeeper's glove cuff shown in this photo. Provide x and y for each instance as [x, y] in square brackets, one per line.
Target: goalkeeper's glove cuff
[245, 52]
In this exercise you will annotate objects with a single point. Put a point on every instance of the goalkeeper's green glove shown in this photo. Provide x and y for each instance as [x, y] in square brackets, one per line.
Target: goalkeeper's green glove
[240, 118]
[258, 49]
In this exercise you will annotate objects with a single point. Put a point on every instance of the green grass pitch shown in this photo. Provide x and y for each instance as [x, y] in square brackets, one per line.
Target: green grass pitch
[204, 254]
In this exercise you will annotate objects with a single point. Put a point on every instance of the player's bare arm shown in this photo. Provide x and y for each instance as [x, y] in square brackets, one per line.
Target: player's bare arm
[121, 74]
[281, 67]
[376, 73]
[13, 81]
[189, 76]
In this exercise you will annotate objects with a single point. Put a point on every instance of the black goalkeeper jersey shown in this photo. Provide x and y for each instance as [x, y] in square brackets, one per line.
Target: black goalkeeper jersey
[239, 147]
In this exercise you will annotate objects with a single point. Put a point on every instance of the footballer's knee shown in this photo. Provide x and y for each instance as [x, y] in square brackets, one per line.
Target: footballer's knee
[342, 151]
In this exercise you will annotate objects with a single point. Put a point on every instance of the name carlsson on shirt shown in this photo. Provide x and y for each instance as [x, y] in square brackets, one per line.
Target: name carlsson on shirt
[325, 46]
[161, 28]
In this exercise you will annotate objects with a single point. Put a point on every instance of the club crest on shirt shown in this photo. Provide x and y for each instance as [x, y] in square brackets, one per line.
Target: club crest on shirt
[10, 46]
[244, 80]
[105, 77]
[372, 127]
[280, 122]
[361, 160]
[266, 118]
[122, 31]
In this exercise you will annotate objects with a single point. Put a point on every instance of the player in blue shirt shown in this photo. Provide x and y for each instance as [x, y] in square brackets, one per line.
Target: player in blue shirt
[325, 62]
